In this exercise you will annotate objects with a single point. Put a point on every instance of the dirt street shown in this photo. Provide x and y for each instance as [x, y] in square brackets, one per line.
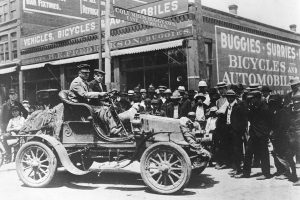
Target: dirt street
[127, 184]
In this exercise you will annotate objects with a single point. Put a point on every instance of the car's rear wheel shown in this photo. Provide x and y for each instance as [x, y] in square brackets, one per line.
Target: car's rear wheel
[36, 164]
[165, 168]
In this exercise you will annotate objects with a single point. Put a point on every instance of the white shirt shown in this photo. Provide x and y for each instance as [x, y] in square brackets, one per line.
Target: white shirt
[175, 113]
[228, 121]
[207, 99]
[163, 99]
[210, 124]
[15, 123]
[200, 113]
[222, 104]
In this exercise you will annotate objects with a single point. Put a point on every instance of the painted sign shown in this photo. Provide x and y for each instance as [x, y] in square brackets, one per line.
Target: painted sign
[131, 16]
[76, 9]
[151, 38]
[247, 58]
[158, 9]
[68, 52]
[67, 32]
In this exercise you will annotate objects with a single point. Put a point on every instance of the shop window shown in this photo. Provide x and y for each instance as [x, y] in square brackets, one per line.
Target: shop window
[14, 50]
[4, 55]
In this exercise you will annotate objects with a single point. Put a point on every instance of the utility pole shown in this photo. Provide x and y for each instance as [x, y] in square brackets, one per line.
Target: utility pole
[106, 45]
[198, 22]
[100, 36]
[196, 68]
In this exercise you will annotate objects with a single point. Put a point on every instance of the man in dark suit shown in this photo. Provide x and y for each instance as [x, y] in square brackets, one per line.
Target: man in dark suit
[6, 109]
[236, 124]
[96, 85]
[260, 118]
[79, 93]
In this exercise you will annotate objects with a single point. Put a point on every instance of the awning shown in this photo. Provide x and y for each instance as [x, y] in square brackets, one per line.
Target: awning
[134, 50]
[8, 70]
[146, 48]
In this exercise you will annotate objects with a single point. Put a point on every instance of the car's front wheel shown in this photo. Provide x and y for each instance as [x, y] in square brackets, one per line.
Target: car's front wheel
[165, 168]
[36, 164]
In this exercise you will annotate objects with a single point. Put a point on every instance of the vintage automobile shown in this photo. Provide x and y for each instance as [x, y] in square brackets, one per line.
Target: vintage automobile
[166, 159]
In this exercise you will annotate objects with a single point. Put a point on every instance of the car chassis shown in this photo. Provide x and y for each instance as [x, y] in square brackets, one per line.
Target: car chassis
[166, 159]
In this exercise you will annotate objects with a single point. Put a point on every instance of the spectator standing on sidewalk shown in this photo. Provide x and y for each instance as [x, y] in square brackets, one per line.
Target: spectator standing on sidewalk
[260, 126]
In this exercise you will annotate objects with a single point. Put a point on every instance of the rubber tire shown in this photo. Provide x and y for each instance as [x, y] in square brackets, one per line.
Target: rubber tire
[52, 168]
[174, 147]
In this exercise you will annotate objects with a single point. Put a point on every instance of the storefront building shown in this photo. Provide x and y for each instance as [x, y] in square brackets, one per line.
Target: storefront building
[236, 50]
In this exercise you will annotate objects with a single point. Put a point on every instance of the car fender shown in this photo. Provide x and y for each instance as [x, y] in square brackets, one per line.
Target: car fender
[62, 154]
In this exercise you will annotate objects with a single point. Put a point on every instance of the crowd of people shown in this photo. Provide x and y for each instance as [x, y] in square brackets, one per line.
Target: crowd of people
[243, 122]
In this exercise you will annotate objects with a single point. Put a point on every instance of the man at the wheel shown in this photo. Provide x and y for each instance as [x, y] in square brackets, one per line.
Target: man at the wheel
[79, 93]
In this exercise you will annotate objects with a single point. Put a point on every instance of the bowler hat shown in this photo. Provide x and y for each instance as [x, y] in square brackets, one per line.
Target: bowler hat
[294, 81]
[176, 95]
[12, 91]
[276, 98]
[162, 87]
[253, 86]
[130, 92]
[84, 66]
[254, 93]
[167, 91]
[192, 114]
[221, 85]
[154, 101]
[200, 96]
[181, 88]
[266, 88]
[99, 71]
[143, 91]
[202, 84]
[230, 93]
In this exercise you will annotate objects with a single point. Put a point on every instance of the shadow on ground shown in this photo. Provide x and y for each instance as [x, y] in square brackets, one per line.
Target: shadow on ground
[121, 180]
[202, 181]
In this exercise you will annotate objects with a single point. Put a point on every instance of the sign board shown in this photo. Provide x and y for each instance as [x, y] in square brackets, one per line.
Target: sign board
[159, 9]
[76, 9]
[247, 58]
[93, 47]
[131, 16]
[63, 33]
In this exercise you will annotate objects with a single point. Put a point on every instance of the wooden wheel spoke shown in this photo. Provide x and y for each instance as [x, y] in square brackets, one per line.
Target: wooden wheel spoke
[46, 160]
[176, 168]
[32, 154]
[43, 153]
[169, 160]
[39, 175]
[158, 179]
[30, 172]
[171, 179]
[46, 166]
[176, 175]
[165, 156]
[173, 163]
[155, 161]
[160, 159]
[43, 171]
[154, 173]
